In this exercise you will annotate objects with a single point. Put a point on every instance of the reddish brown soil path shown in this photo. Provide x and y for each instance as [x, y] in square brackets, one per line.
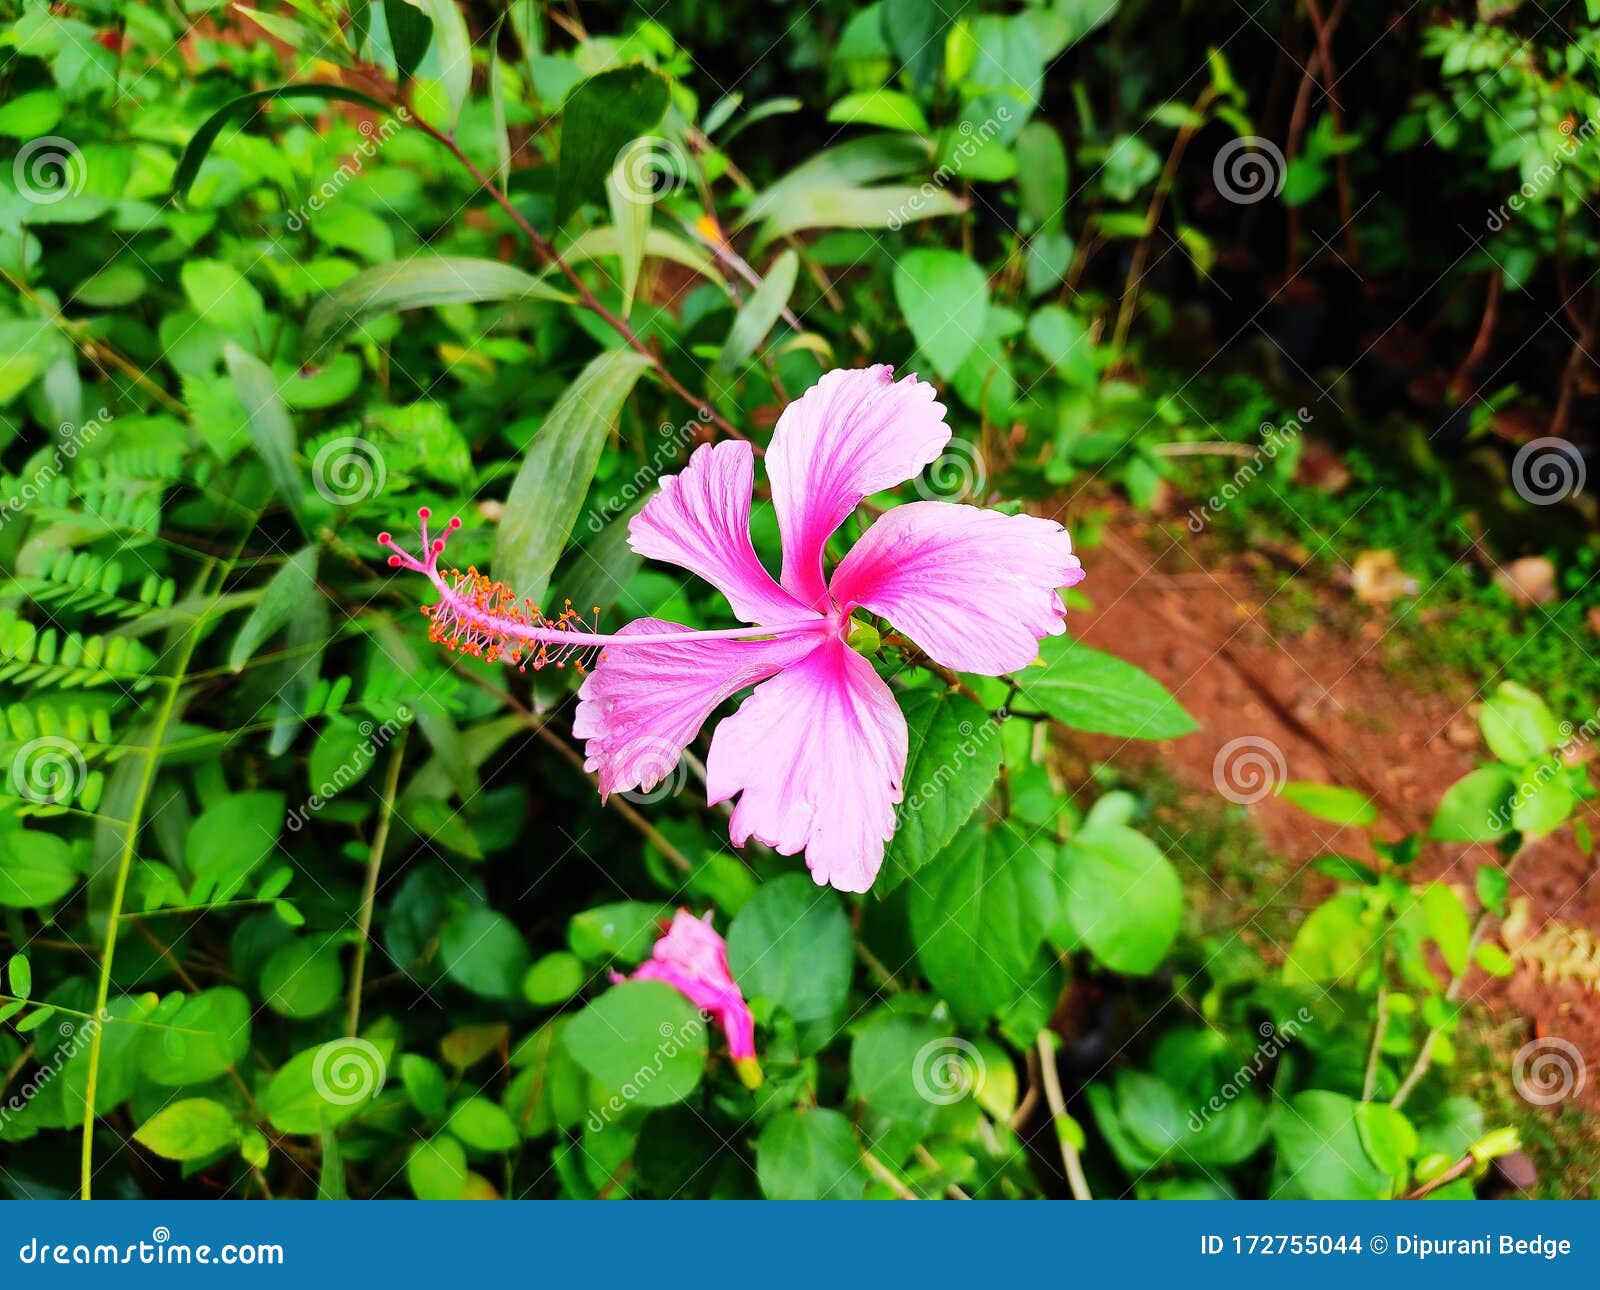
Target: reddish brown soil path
[1319, 704]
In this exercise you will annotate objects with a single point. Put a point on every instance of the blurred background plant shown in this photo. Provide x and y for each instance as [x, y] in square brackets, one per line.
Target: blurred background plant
[295, 905]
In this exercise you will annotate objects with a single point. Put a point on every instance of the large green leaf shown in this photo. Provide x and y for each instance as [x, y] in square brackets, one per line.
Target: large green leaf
[1124, 899]
[599, 119]
[556, 471]
[809, 1155]
[190, 1129]
[452, 44]
[760, 312]
[201, 141]
[1477, 807]
[1094, 691]
[418, 283]
[979, 915]
[944, 297]
[270, 429]
[792, 944]
[643, 1040]
[954, 761]
[287, 590]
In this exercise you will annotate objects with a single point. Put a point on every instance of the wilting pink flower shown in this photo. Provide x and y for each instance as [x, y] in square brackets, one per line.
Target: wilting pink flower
[693, 960]
[815, 755]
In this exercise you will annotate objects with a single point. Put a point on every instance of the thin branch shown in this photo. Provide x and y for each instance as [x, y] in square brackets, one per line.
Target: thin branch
[1070, 1159]
[369, 888]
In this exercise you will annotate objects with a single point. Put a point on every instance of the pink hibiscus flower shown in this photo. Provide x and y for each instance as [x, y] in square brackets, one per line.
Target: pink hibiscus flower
[693, 960]
[815, 755]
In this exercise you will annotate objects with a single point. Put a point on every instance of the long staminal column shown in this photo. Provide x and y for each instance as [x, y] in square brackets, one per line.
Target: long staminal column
[487, 619]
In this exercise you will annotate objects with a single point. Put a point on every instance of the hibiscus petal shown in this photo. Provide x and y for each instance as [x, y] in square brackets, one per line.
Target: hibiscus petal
[817, 755]
[640, 707]
[854, 432]
[974, 588]
[700, 521]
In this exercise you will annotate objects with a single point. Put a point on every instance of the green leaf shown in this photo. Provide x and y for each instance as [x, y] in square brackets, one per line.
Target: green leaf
[424, 1084]
[437, 1168]
[482, 1125]
[791, 943]
[208, 1035]
[623, 930]
[1476, 808]
[643, 1040]
[410, 31]
[1089, 690]
[1323, 1155]
[1063, 342]
[190, 1129]
[809, 1155]
[944, 297]
[759, 314]
[889, 109]
[270, 429]
[553, 979]
[1041, 174]
[632, 202]
[1492, 884]
[229, 841]
[556, 471]
[979, 915]
[452, 45]
[421, 282]
[1337, 805]
[903, 1067]
[1448, 924]
[483, 951]
[955, 752]
[1332, 945]
[20, 975]
[1517, 725]
[889, 206]
[36, 868]
[303, 978]
[246, 105]
[1544, 799]
[225, 300]
[599, 118]
[1123, 898]
[285, 592]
